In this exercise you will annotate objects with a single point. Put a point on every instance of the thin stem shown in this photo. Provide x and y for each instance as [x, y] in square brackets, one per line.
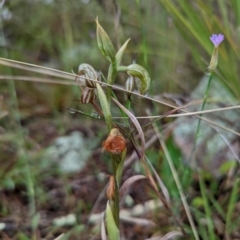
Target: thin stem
[128, 106]
[203, 104]
[112, 72]
[122, 68]
[115, 202]
[199, 119]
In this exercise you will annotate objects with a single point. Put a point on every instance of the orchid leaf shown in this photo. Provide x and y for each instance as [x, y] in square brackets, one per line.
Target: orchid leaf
[120, 52]
[113, 231]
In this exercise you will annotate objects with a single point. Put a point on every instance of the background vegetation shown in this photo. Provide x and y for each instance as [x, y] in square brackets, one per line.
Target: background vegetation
[41, 200]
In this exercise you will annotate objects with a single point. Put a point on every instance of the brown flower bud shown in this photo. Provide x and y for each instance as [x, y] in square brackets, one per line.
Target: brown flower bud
[115, 142]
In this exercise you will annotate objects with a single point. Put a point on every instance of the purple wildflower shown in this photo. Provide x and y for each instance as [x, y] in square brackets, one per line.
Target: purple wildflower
[216, 39]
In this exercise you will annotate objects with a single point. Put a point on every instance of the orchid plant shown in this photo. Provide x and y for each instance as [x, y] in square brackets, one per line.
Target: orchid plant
[115, 143]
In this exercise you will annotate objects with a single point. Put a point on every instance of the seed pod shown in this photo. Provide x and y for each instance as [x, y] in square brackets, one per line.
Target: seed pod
[115, 142]
[88, 95]
[87, 72]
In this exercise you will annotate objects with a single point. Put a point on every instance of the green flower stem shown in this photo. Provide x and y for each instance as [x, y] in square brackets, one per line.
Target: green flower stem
[122, 68]
[199, 123]
[202, 108]
[128, 106]
[118, 161]
[115, 202]
[112, 72]
[122, 112]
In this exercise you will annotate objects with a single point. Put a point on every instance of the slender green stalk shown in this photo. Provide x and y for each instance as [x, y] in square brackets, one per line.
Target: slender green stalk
[112, 72]
[202, 108]
[199, 122]
[203, 104]
[116, 191]
[128, 106]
